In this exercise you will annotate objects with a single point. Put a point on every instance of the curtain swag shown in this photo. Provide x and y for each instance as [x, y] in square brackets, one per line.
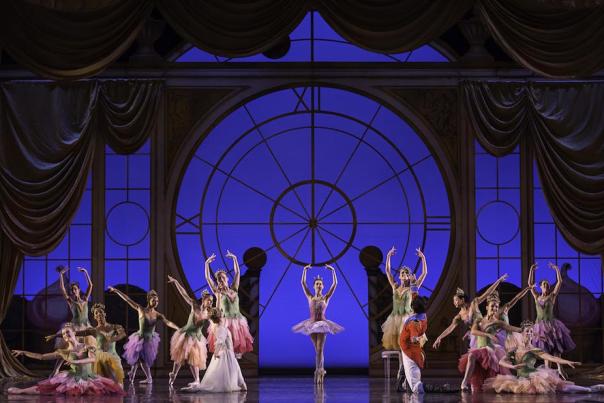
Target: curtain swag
[70, 40]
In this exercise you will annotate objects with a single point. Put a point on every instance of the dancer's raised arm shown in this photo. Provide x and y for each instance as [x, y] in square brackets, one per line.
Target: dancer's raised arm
[483, 297]
[334, 283]
[89, 281]
[509, 305]
[62, 272]
[168, 322]
[208, 273]
[424, 272]
[126, 298]
[181, 290]
[303, 282]
[236, 270]
[531, 281]
[558, 281]
[391, 279]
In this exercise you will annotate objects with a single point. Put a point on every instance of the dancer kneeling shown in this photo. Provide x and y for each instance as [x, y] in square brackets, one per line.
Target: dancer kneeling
[412, 339]
[223, 373]
[80, 380]
[522, 357]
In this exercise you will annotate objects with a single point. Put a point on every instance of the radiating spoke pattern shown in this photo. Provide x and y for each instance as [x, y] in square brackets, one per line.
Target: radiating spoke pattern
[312, 175]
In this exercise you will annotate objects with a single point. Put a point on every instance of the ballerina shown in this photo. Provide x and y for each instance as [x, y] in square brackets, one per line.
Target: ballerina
[79, 380]
[317, 326]
[227, 299]
[550, 334]
[223, 373]
[188, 344]
[522, 357]
[482, 362]
[141, 348]
[469, 311]
[401, 299]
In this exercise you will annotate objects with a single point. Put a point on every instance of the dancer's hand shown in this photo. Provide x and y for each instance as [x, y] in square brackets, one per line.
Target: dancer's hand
[572, 364]
[211, 258]
[534, 266]
[391, 252]
[307, 267]
[111, 289]
[50, 337]
[504, 277]
[328, 267]
[518, 366]
[419, 253]
[552, 266]
[17, 353]
[436, 344]
[63, 269]
[81, 269]
[231, 255]
[171, 279]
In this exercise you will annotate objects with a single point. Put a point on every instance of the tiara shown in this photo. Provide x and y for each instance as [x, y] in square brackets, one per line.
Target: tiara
[492, 297]
[152, 293]
[206, 294]
[217, 272]
[317, 278]
[405, 269]
[460, 293]
[526, 323]
[97, 306]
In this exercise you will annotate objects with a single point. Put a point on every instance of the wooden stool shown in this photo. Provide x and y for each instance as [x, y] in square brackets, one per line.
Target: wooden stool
[386, 356]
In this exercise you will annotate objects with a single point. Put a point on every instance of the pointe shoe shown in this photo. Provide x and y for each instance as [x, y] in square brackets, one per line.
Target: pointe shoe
[597, 389]
[171, 378]
[465, 388]
[147, 381]
[13, 391]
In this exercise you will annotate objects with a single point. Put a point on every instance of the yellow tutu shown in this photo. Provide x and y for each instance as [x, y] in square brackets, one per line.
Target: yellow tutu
[392, 331]
[110, 366]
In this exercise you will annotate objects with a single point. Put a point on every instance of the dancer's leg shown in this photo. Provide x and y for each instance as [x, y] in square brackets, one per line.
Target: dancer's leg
[469, 371]
[147, 371]
[321, 338]
[172, 376]
[132, 372]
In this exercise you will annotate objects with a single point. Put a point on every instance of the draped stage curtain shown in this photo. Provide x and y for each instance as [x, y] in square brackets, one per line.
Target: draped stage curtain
[48, 136]
[63, 39]
[565, 125]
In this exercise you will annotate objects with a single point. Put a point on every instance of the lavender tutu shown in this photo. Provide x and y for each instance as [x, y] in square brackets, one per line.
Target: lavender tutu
[141, 348]
[65, 383]
[309, 326]
[552, 336]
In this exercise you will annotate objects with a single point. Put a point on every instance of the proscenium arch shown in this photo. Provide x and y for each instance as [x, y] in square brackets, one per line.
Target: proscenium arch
[243, 95]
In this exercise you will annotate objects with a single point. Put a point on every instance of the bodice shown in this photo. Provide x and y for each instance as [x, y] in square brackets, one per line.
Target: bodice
[79, 313]
[545, 309]
[317, 308]
[229, 303]
[146, 326]
[401, 301]
[104, 340]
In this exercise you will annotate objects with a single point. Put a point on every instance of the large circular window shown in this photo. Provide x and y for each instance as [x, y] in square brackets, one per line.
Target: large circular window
[312, 176]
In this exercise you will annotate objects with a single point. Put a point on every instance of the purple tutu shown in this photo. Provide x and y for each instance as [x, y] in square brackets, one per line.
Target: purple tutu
[552, 336]
[138, 348]
[309, 326]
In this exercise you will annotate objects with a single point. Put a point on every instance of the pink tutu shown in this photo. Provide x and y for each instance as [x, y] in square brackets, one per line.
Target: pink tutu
[65, 383]
[309, 326]
[243, 342]
[138, 348]
[552, 336]
[188, 348]
[542, 381]
[487, 364]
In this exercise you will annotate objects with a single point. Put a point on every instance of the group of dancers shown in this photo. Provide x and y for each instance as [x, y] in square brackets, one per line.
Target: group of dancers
[95, 368]
[501, 358]
[496, 351]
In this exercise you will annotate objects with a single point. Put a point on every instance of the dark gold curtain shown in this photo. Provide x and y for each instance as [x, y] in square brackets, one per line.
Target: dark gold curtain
[565, 125]
[67, 40]
[48, 136]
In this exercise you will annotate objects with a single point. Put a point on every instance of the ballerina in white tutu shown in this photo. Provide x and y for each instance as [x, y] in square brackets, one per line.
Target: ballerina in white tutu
[317, 326]
[223, 373]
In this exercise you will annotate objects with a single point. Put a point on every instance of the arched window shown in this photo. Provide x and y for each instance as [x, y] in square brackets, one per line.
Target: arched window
[312, 175]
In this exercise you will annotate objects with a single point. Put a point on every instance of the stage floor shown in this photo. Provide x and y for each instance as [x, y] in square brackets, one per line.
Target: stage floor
[301, 389]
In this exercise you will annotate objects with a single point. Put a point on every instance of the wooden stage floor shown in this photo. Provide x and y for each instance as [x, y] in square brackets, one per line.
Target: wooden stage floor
[300, 389]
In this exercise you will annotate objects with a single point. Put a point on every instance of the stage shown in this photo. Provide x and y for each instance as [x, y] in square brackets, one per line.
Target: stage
[301, 389]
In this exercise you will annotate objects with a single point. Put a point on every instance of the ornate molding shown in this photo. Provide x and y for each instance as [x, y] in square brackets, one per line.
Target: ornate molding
[185, 107]
[439, 108]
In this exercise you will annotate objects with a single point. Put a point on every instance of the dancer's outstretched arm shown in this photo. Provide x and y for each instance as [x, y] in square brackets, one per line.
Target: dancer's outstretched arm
[558, 360]
[236, 270]
[208, 273]
[447, 331]
[181, 290]
[37, 356]
[167, 322]
[388, 270]
[424, 272]
[334, 283]
[506, 363]
[506, 307]
[127, 299]
[483, 297]
[303, 281]
[89, 281]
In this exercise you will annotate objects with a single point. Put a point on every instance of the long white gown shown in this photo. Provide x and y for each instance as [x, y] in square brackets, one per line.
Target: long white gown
[223, 373]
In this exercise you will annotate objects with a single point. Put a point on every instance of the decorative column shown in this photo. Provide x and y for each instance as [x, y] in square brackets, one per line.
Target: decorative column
[145, 52]
[476, 34]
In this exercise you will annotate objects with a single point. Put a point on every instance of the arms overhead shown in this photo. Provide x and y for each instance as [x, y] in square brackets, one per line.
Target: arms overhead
[236, 270]
[89, 281]
[126, 298]
[303, 281]
[424, 273]
[334, 283]
[391, 280]
[481, 298]
[208, 273]
[181, 290]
